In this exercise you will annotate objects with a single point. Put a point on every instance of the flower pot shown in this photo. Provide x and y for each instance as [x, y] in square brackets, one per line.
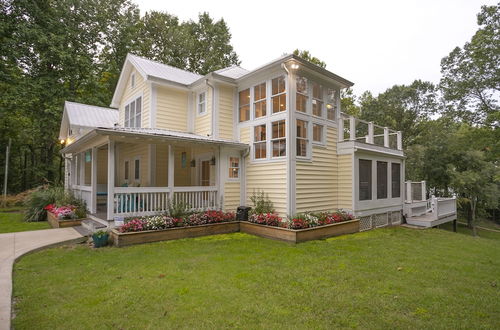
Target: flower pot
[100, 241]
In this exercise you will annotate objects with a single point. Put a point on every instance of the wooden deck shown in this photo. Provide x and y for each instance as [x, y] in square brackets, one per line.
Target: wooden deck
[430, 220]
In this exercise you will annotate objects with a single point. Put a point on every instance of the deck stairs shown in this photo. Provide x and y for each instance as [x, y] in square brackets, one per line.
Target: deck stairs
[431, 212]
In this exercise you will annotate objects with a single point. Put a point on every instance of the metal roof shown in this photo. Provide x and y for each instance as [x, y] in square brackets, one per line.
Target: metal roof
[233, 72]
[163, 71]
[90, 115]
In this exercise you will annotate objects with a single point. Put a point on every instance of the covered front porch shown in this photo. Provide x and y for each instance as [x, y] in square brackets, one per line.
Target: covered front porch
[122, 173]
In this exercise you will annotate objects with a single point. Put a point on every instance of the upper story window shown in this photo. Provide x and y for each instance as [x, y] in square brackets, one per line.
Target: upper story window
[244, 105]
[260, 141]
[278, 98]
[302, 140]
[381, 180]
[132, 80]
[330, 104]
[202, 103]
[365, 179]
[317, 133]
[259, 96]
[279, 138]
[301, 97]
[317, 99]
[133, 113]
[234, 167]
[396, 180]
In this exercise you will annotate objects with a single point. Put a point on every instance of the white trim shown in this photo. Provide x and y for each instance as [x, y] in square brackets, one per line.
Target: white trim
[291, 173]
[111, 179]
[93, 181]
[132, 80]
[205, 111]
[215, 111]
[131, 99]
[229, 167]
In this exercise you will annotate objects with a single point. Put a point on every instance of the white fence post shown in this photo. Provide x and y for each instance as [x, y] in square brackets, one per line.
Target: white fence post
[399, 140]
[341, 129]
[386, 137]
[352, 128]
[370, 133]
[424, 191]
[409, 196]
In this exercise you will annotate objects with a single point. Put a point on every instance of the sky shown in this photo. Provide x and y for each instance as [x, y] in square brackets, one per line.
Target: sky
[374, 44]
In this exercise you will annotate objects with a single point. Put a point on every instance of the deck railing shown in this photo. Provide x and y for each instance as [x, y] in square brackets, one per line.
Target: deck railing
[140, 201]
[445, 207]
[355, 129]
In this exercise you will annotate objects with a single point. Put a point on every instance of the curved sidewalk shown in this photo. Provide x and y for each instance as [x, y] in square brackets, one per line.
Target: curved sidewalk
[14, 245]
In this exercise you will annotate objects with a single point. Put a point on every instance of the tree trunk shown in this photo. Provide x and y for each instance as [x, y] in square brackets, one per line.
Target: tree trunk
[469, 215]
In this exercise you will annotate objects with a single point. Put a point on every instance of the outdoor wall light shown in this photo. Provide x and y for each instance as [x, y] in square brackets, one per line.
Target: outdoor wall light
[294, 66]
[62, 141]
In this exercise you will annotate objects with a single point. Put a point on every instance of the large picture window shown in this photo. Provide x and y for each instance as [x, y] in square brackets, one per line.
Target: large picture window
[278, 98]
[260, 142]
[365, 179]
[133, 112]
[381, 180]
[259, 96]
[396, 180]
[301, 97]
[279, 138]
[317, 101]
[244, 105]
[302, 138]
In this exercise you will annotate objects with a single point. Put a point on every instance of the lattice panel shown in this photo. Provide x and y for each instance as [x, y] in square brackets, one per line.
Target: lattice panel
[365, 223]
[396, 217]
[380, 220]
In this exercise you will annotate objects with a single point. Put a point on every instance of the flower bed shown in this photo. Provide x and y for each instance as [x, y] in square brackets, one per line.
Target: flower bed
[63, 216]
[162, 228]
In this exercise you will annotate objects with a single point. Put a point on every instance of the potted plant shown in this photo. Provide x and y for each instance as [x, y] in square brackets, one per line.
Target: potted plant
[100, 238]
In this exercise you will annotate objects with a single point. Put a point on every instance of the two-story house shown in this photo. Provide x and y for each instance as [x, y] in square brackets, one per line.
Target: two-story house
[212, 141]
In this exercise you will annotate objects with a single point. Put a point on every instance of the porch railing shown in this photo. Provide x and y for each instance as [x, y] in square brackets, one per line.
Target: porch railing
[139, 201]
[83, 192]
[355, 129]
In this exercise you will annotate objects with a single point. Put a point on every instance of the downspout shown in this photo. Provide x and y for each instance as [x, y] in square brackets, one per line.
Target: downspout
[213, 108]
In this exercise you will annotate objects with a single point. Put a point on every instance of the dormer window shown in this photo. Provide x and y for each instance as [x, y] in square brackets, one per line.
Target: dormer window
[133, 112]
[202, 104]
[132, 80]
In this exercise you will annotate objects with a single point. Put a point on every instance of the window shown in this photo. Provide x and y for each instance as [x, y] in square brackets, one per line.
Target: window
[278, 98]
[133, 113]
[137, 169]
[259, 96]
[126, 170]
[365, 179]
[381, 180]
[301, 138]
[244, 105]
[132, 80]
[396, 180]
[260, 141]
[279, 138]
[330, 104]
[317, 102]
[301, 98]
[234, 167]
[202, 104]
[317, 133]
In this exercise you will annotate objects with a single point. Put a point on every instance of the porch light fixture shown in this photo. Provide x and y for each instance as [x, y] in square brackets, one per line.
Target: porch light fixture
[212, 161]
[62, 141]
[294, 66]
[192, 163]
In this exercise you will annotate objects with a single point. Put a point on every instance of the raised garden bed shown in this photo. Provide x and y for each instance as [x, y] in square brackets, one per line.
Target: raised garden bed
[62, 223]
[300, 235]
[131, 238]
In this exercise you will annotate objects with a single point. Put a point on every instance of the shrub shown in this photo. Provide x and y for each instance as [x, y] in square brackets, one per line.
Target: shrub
[36, 202]
[261, 203]
[208, 217]
[268, 219]
[309, 220]
[178, 210]
[159, 222]
[132, 226]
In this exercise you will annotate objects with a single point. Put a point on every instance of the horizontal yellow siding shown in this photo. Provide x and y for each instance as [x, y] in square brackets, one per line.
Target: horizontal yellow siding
[171, 109]
[140, 88]
[231, 196]
[270, 178]
[316, 181]
[129, 151]
[161, 165]
[225, 122]
[203, 123]
[345, 181]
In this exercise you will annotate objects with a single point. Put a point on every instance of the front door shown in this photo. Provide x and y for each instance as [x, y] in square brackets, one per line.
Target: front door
[205, 173]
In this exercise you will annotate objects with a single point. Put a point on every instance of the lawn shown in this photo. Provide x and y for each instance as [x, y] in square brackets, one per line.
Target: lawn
[385, 278]
[463, 229]
[11, 220]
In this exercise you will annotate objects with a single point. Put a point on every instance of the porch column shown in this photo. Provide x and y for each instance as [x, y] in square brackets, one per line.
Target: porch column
[409, 197]
[111, 179]
[424, 191]
[82, 168]
[93, 182]
[386, 137]
[171, 166]
[218, 181]
[352, 128]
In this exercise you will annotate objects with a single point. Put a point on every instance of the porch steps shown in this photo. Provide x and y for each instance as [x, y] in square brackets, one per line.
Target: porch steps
[92, 226]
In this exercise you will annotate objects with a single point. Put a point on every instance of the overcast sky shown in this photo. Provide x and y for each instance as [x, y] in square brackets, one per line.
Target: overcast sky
[374, 44]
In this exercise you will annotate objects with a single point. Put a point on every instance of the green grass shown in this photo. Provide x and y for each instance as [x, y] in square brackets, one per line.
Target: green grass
[385, 278]
[11, 220]
[463, 229]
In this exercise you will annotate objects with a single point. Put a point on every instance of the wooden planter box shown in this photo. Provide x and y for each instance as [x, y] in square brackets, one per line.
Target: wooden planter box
[124, 239]
[59, 223]
[300, 235]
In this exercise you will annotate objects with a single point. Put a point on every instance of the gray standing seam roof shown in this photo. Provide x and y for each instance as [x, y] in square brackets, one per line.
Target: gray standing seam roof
[90, 116]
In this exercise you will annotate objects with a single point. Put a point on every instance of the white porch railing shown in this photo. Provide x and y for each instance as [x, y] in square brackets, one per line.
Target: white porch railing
[140, 201]
[83, 193]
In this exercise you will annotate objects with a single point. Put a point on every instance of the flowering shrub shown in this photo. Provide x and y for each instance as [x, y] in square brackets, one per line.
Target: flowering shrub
[268, 219]
[309, 220]
[207, 217]
[63, 212]
[133, 225]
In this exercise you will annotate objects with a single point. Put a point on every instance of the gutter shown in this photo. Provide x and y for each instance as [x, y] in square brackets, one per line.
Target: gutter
[213, 107]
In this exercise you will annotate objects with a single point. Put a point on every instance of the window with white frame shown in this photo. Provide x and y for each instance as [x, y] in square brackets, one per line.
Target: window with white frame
[317, 99]
[278, 97]
[302, 140]
[244, 105]
[396, 180]
[381, 180]
[234, 167]
[133, 112]
[278, 140]
[126, 170]
[132, 80]
[202, 103]
[318, 133]
[259, 97]
[365, 179]
[330, 104]
[260, 142]
[137, 169]
[301, 97]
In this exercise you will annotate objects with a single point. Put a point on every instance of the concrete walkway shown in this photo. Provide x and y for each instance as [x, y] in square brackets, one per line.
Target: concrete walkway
[14, 245]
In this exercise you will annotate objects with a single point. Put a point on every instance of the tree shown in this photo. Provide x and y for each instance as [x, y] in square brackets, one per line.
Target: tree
[308, 57]
[348, 102]
[471, 75]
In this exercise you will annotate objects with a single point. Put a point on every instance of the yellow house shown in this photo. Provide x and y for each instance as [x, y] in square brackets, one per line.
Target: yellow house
[212, 141]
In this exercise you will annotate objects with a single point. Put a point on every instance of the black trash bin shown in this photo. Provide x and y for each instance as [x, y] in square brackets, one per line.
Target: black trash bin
[242, 213]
